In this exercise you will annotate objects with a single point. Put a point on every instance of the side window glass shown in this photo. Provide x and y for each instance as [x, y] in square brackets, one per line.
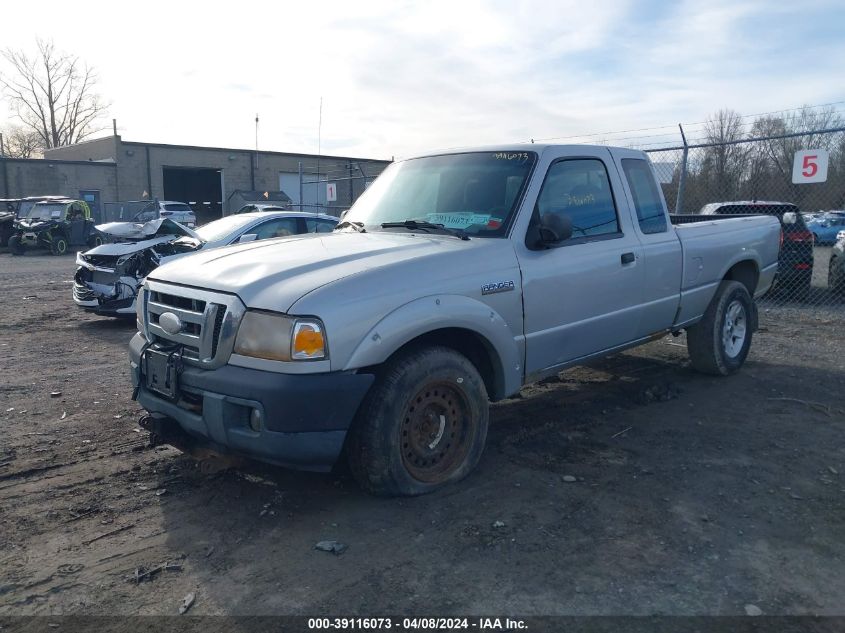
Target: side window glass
[647, 200]
[318, 226]
[580, 190]
[281, 227]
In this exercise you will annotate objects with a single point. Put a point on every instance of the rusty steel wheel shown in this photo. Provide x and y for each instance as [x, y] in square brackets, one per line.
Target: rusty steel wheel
[435, 432]
[423, 424]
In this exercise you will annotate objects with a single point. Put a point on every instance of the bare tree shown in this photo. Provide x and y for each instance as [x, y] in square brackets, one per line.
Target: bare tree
[21, 142]
[52, 93]
[727, 158]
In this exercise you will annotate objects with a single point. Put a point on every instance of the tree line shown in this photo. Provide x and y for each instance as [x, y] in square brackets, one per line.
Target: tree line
[739, 161]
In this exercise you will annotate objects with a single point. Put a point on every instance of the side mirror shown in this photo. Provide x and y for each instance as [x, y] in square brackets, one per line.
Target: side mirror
[789, 217]
[247, 237]
[554, 229]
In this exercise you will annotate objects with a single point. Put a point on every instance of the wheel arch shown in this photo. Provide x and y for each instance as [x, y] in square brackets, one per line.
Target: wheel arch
[746, 272]
[460, 323]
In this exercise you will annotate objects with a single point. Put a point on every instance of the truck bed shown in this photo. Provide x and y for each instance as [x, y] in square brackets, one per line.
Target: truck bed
[712, 244]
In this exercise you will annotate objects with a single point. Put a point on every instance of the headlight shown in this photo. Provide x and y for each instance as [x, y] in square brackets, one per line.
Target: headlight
[280, 337]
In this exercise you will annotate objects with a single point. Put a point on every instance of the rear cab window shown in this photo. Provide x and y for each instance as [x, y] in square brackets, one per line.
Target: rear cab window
[647, 202]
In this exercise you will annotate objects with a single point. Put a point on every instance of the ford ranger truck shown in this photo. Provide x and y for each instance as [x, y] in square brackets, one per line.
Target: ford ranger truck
[454, 280]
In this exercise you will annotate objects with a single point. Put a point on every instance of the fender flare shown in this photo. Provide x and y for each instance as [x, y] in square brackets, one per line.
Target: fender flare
[436, 312]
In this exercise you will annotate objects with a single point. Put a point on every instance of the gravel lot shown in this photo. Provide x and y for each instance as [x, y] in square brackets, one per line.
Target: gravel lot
[691, 494]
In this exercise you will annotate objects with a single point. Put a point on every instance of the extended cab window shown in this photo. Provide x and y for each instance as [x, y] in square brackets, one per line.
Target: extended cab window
[580, 190]
[647, 200]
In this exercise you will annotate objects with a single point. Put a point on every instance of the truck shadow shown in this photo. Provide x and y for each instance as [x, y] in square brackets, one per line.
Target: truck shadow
[592, 467]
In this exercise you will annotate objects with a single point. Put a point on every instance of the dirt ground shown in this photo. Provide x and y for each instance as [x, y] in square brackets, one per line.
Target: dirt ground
[692, 495]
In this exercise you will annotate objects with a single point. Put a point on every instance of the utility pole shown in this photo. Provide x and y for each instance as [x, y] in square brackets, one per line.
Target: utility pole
[256, 131]
[682, 177]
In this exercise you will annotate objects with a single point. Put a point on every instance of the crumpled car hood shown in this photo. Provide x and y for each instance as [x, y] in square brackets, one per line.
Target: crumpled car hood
[163, 227]
[124, 248]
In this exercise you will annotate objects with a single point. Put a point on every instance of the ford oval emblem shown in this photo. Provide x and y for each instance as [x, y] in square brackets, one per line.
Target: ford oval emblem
[170, 323]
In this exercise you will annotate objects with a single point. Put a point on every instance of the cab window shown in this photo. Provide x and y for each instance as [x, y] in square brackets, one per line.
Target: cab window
[647, 202]
[580, 190]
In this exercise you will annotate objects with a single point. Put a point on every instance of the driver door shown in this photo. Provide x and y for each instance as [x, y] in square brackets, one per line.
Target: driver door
[582, 295]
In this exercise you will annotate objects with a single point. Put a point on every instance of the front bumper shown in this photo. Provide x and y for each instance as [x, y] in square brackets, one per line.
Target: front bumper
[305, 417]
[90, 301]
[103, 292]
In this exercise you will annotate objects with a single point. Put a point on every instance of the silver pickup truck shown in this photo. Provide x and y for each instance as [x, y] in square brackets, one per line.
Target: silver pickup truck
[453, 281]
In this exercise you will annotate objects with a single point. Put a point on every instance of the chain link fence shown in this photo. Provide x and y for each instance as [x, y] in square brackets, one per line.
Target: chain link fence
[755, 176]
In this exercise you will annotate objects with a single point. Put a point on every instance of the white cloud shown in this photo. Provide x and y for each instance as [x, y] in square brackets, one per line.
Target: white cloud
[400, 77]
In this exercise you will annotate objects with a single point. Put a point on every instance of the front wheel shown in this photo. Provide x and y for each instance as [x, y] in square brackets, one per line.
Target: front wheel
[58, 245]
[423, 425]
[15, 245]
[94, 241]
[719, 343]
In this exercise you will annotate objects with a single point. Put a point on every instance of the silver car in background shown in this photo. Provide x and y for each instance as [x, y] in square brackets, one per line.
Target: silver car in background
[108, 276]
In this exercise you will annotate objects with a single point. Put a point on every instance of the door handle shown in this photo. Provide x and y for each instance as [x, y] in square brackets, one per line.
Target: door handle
[628, 258]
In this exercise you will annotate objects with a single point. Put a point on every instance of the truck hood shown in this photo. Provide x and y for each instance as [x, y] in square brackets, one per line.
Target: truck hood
[274, 274]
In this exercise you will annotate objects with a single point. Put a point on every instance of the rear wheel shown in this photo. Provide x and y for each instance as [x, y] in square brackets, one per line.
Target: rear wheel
[15, 245]
[423, 424]
[719, 343]
[58, 245]
[94, 241]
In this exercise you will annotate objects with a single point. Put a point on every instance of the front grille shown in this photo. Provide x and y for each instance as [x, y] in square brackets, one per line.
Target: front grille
[208, 320]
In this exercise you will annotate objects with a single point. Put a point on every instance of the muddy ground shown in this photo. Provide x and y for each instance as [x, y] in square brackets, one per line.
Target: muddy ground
[692, 495]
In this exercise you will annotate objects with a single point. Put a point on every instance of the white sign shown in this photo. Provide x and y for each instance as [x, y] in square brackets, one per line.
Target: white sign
[810, 165]
[331, 192]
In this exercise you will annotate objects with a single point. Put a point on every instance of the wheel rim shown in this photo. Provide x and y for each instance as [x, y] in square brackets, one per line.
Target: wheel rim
[61, 247]
[734, 329]
[436, 432]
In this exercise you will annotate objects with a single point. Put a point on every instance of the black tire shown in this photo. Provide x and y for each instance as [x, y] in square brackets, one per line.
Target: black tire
[59, 245]
[429, 394]
[714, 344]
[15, 245]
[94, 241]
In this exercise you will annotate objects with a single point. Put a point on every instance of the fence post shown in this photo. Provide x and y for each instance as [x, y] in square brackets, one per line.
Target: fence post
[682, 179]
[300, 185]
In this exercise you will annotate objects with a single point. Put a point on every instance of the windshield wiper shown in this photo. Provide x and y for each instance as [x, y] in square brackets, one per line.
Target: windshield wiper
[424, 225]
[358, 226]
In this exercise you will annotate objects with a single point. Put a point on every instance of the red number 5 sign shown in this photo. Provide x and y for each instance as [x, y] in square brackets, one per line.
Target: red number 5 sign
[810, 165]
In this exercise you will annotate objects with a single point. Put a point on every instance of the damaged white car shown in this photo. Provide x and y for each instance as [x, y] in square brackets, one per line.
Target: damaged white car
[108, 276]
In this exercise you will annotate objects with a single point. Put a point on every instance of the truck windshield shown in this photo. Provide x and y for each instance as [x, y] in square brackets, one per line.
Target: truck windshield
[476, 192]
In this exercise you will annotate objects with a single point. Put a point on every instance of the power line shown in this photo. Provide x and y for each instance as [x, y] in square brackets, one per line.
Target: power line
[690, 125]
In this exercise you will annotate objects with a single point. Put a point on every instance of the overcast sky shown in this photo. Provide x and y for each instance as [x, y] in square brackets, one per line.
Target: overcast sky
[401, 77]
